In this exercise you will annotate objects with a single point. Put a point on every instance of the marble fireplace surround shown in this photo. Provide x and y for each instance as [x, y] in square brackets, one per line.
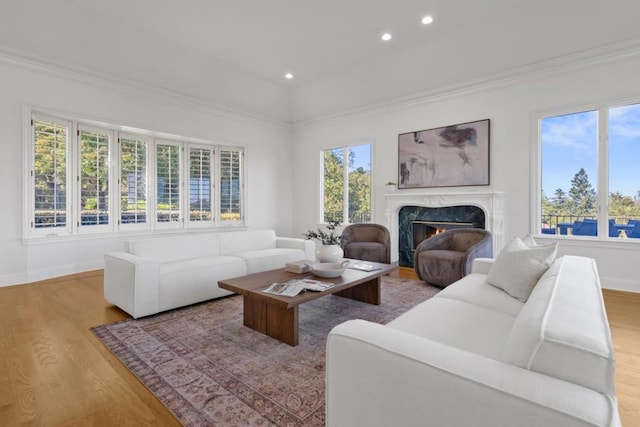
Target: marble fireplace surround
[491, 202]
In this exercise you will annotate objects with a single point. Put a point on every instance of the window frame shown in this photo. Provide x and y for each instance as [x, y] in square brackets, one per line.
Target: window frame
[602, 165]
[345, 176]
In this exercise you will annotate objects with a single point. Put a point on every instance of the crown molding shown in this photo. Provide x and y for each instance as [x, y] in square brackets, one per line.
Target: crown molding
[601, 55]
[29, 60]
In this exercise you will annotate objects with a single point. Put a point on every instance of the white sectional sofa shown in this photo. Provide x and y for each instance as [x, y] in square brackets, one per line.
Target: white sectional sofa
[475, 356]
[161, 273]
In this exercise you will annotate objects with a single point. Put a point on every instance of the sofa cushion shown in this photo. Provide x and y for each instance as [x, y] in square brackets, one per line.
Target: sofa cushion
[269, 259]
[185, 282]
[562, 330]
[475, 290]
[518, 267]
[175, 248]
[458, 324]
[241, 241]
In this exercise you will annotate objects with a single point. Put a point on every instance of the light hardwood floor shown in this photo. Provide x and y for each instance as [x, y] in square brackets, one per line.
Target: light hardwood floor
[53, 371]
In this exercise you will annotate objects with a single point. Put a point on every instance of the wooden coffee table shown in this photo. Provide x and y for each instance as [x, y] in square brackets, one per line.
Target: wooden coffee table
[277, 316]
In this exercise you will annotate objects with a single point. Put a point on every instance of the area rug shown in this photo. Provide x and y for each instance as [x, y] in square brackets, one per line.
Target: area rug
[208, 369]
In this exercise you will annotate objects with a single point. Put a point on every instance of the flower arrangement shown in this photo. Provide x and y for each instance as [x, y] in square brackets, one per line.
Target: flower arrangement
[327, 238]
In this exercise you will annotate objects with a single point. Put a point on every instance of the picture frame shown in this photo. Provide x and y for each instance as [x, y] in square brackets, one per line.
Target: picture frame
[448, 156]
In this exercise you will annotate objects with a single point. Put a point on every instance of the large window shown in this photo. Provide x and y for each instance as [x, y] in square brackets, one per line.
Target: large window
[346, 176]
[90, 178]
[590, 184]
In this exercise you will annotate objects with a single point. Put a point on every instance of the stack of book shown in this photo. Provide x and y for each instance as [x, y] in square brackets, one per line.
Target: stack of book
[298, 266]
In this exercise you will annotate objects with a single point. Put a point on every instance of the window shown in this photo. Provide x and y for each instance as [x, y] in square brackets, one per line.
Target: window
[133, 180]
[346, 181]
[95, 148]
[80, 181]
[168, 182]
[200, 192]
[50, 173]
[230, 185]
[589, 181]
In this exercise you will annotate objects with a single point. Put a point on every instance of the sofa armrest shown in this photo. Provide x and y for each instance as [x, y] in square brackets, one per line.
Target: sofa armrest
[379, 376]
[482, 265]
[307, 246]
[131, 283]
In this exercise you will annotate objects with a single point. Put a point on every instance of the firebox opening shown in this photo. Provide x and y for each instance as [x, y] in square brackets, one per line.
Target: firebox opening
[425, 229]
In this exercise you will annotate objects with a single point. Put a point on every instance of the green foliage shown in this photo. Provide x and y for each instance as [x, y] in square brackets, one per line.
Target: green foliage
[621, 205]
[359, 192]
[333, 182]
[582, 195]
[581, 202]
[330, 237]
[359, 187]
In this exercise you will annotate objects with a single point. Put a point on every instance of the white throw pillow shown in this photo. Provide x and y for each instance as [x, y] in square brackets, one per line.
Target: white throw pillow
[518, 267]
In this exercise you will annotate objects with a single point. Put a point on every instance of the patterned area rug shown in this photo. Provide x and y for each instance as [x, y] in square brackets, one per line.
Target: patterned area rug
[209, 369]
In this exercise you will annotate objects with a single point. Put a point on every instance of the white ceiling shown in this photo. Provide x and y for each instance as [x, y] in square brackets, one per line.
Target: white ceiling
[235, 53]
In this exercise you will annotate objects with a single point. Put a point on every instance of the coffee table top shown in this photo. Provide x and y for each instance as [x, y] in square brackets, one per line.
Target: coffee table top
[254, 284]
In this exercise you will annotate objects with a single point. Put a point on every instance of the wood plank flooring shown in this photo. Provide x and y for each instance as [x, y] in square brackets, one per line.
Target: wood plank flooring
[53, 371]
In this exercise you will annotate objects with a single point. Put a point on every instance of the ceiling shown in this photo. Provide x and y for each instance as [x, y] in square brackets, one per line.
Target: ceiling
[234, 54]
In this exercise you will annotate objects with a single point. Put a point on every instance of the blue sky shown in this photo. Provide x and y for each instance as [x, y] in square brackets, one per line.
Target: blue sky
[363, 156]
[569, 142]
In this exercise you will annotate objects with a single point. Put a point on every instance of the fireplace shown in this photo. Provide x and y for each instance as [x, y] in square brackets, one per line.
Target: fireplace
[481, 209]
[415, 223]
[421, 230]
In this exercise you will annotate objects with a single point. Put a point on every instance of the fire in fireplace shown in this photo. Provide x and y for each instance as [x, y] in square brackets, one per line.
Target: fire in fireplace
[424, 229]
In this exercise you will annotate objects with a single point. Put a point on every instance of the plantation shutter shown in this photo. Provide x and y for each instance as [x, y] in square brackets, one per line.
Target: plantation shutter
[200, 193]
[50, 174]
[133, 180]
[230, 185]
[168, 183]
[94, 176]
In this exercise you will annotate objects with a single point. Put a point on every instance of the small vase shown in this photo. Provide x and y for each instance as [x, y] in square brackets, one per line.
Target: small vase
[330, 253]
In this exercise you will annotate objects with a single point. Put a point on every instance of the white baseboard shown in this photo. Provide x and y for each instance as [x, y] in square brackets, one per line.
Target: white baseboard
[615, 284]
[48, 273]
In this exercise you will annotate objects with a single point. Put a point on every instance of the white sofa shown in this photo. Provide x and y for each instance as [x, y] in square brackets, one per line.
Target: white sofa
[475, 356]
[158, 274]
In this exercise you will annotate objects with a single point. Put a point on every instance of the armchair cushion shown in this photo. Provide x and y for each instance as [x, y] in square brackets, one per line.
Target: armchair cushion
[518, 267]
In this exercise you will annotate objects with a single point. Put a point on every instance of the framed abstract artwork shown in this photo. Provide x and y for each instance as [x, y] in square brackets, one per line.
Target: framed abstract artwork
[448, 156]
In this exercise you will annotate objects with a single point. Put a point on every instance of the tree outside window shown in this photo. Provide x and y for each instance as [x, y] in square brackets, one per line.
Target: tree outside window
[347, 184]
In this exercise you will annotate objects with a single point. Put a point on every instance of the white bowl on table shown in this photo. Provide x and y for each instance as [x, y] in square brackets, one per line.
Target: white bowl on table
[328, 269]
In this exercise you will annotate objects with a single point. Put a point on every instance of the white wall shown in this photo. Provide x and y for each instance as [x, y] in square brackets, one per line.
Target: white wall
[511, 108]
[267, 146]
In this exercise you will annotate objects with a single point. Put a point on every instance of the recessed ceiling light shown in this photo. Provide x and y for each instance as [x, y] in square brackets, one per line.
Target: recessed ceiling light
[427, 20]
[386, 37]
[288, 76]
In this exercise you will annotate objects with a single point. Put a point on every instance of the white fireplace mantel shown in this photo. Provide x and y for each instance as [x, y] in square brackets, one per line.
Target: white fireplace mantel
[491, 202]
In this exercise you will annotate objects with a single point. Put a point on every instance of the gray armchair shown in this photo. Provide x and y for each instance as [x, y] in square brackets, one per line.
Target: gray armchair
[446, 257]
[368, 242]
